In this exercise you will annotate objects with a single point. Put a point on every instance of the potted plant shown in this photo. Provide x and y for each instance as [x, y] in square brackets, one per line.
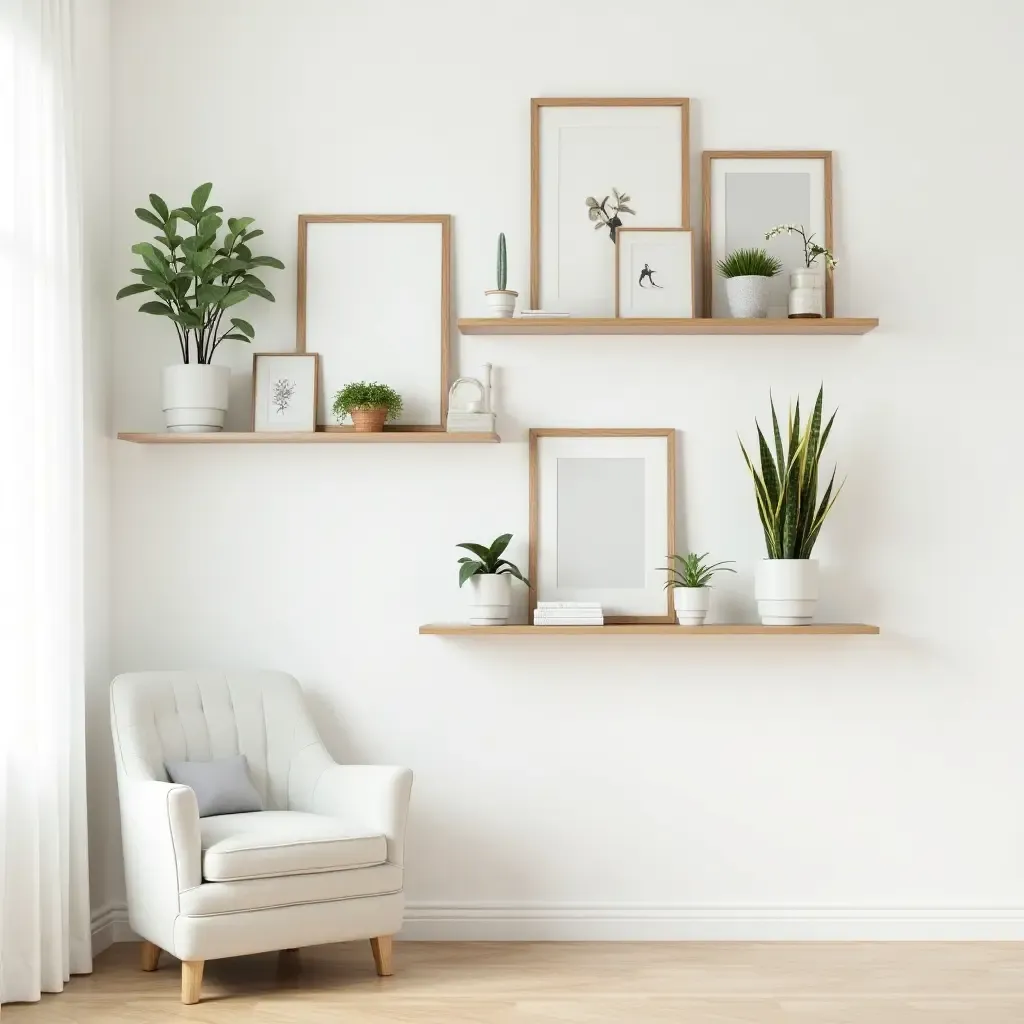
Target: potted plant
[786, 582]
[806, 286]
[748, 277]
[369, 404]
[500, 299]
[490, 581]
[691, 580]
[194, 280]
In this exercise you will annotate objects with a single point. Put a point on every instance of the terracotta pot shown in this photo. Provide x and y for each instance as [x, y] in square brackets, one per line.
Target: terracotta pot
[369, 421]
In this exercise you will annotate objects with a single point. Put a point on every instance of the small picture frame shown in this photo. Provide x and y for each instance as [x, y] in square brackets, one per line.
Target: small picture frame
[284, 391]
[654, 272]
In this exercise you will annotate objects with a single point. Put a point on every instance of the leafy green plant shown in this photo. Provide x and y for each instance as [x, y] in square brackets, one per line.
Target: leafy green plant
[811, 248]
[366, 395]
[690, 571]
[749, 263]
[787, 486]
[502, 263]
[488, 560]
[197, 279]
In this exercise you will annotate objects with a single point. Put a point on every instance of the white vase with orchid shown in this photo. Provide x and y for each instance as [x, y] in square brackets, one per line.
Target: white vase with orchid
[807, 284]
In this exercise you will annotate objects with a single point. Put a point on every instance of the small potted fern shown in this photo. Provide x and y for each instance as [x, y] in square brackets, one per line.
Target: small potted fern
[490, 581]
[502, 301]
[369, 404]
[691, 579]
[786, 582]
[748, 277]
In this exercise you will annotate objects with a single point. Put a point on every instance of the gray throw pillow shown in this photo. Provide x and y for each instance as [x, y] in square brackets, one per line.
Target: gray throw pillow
[222, 786]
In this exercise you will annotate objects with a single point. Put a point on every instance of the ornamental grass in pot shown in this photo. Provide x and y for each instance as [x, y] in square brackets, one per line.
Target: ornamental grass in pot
[691, 579]
[368, 404]
[748, 277]
[194, 279]
[490, 581]
[786, 582]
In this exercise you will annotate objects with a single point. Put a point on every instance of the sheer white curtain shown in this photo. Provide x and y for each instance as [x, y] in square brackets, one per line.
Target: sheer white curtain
[44, 888]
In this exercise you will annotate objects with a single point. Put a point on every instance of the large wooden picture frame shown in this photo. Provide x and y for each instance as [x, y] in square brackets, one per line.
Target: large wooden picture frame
[578, 551]
[816, 164]
[377, 317]
[581, 147]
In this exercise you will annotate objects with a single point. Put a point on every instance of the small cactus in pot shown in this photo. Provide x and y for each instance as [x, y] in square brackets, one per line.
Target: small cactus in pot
[501, 301]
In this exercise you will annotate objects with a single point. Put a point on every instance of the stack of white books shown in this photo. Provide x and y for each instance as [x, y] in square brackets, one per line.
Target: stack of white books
[541, 313]
[568, 613]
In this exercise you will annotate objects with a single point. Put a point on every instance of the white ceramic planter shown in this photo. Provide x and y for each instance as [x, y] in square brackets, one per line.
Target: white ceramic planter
[748, 296]
[692, 605]
[501, 302]
[806, 293]
[490, 595]
[786, 590]
[195, 397]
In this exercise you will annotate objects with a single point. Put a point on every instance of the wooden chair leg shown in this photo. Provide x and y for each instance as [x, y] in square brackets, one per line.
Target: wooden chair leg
[150, 955]
[191, 980]
[381, 947]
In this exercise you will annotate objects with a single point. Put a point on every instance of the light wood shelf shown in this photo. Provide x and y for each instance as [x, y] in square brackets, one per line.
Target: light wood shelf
[306, 437]
[615, 325]
[653, 628]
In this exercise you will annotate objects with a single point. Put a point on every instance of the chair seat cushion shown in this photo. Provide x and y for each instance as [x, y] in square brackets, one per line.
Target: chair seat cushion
[269, 844]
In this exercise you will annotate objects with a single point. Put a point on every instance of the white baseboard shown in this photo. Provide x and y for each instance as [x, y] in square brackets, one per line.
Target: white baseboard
[649, 922]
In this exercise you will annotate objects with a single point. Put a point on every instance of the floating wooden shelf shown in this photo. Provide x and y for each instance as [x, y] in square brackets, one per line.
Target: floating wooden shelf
[320, 437]
[652, 628]
[615, 325]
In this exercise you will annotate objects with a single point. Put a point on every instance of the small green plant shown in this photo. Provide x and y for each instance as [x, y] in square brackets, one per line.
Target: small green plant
[502, 263]
[690, 571]
[811, 248]
[787, 486]
[749, 263]
[196, 280]
[363, 395]
[488, 560]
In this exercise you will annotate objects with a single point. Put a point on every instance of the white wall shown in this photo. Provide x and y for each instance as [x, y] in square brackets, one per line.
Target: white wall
[633, 787]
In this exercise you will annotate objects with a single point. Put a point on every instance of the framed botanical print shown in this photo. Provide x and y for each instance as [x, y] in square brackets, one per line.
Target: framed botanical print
[374, 299]
[284, 391]
[602, 519]
[654, 272]
[598, 165]
[748, 192]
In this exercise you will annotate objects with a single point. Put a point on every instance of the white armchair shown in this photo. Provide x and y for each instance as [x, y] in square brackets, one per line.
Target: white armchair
[322, 863]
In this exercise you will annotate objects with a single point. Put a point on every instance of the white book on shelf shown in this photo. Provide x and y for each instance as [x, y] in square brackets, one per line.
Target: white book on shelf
[569, 604]
[568, 613]
[569, 622]
[542, 313]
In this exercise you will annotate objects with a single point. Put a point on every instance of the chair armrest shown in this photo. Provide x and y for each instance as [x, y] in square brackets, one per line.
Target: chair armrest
[370, 796]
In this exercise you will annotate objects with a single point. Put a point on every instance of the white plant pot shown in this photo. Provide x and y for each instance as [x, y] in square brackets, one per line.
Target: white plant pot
[748, 296]
[692, 605]
[501, 302]
[806, 293]
[490, 595]
[786, 590]
[195, 397]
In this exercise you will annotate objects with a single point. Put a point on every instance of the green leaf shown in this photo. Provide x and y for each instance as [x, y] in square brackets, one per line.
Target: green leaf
[132, 289]
[150, 218]
[244, 326]
[250, 235]
[234, 297]
[236, 337]
[478, 549]
[239, 224]
[229, 265]
[267, 261]
[159, 205]
[200, 195]
[154, 259]
[510, 570]
[210, 294]
[769, 473]
[185, 214]
[499, 545]
[469, 569]
[209, 224]
[156, 309]
[243, 252]
[261, 292]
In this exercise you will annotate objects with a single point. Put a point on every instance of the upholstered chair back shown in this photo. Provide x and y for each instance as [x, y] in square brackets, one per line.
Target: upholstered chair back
[198, 716]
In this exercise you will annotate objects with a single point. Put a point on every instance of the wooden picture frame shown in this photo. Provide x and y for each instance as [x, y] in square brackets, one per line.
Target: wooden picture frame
[257, 356]
[306, 221]
[708, 157]
[538, 106]
[651, 558]
[621, 237]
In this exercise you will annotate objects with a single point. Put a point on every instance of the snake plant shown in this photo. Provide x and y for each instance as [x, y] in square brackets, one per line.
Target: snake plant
[787, 486]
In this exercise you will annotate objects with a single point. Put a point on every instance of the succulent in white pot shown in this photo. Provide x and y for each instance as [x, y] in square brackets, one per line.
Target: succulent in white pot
[490, 581]
[748, 277]
[786, 582]
[194, 279]
[501, 301]
[807, 283]
[690, 579]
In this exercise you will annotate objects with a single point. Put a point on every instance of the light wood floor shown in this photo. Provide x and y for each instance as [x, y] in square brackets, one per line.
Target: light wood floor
[564, 983]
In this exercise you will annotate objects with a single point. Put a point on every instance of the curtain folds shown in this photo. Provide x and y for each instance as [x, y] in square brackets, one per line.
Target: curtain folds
[44, 890]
